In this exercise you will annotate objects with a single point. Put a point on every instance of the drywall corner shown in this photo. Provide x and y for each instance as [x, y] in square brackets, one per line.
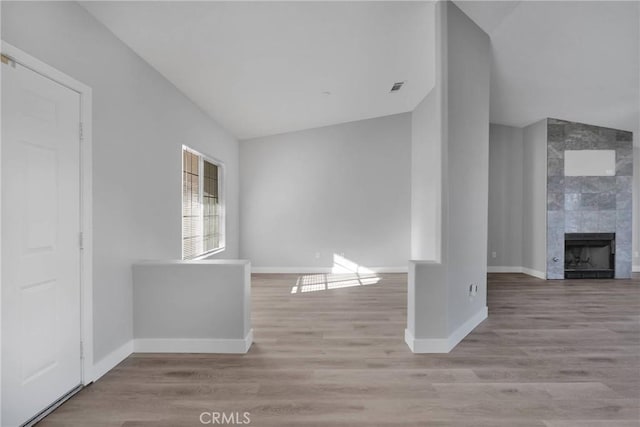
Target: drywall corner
[534, 203]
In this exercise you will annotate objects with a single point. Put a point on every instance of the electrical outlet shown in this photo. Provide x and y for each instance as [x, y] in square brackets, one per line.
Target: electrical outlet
[473, 290]
[494, 254]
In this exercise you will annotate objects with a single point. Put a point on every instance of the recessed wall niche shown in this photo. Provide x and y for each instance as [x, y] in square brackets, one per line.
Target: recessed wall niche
[599, 202]
[590, 163]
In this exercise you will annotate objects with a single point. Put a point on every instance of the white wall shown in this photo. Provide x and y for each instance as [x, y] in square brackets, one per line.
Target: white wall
[426, 156]
[636, 182]
[192, 306]
[140, 122]
[468, 62]
[636, 201]
[464, 133]
[534, 203]
[336, 189]
[427, 306]
[0, 232]
[505, 196]
[426, 178]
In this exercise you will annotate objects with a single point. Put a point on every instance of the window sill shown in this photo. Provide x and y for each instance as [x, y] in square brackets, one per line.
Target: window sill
[206, 254]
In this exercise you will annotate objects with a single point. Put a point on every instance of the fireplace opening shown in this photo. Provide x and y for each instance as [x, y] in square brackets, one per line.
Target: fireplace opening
[589, 255]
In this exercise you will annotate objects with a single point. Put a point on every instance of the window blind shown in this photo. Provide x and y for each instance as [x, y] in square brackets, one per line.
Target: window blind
[201, 206]
[191, 213]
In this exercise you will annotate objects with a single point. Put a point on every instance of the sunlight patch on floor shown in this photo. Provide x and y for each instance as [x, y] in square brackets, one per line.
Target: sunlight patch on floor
[344, 274]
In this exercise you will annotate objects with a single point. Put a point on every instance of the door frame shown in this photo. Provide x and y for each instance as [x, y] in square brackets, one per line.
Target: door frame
[86, 198]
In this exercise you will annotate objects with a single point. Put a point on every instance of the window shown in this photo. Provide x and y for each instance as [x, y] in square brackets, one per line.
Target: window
[202, 205]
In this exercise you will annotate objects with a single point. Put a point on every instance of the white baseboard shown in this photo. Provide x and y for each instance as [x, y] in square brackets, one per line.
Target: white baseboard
[468, 326]
[193, 345]
[139, 345]
[290, 270]
[492, 269]
[112, 360]
[320, 270]
[534, 273]
[426, 345]
[404, 269]
[528, 271]
[445, 345]
[636, 269]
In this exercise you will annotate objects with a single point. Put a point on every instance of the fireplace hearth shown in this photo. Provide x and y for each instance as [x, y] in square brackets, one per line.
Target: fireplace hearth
[589, 255]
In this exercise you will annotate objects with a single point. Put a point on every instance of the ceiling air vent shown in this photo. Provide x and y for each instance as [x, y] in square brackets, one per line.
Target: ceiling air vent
[396, 86]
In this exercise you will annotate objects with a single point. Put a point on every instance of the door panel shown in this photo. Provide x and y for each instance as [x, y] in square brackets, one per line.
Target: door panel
[41, 359]
[39, 323]
[41, 183]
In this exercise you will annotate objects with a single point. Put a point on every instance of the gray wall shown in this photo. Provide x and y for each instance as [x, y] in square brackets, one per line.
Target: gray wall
[505, 196]
[426, 165]
[534, 203]
[140, 121]
[427, 306]
[588, 204]
[426, 178]
[191, 300]
[330, 190]
[636, 203]
[464, 135]
[506, 171]
[468, 68]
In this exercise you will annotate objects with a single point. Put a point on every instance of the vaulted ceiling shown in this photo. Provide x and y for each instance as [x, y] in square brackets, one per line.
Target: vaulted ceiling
[262, 68]
[572, 60]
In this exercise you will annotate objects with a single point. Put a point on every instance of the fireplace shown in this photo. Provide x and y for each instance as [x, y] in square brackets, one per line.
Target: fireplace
[589, 255]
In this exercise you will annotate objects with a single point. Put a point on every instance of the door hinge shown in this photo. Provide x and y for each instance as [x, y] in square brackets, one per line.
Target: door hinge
[8, 60]
[81, 132]
[81, 350]
[81, 240]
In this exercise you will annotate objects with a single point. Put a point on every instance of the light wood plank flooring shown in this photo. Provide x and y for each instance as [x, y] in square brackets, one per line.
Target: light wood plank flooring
[554, 354]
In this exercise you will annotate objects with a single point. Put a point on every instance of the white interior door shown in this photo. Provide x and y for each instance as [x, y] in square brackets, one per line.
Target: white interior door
[41, 331]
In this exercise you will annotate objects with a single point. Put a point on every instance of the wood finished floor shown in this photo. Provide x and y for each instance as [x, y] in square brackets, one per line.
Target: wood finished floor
[554, 354]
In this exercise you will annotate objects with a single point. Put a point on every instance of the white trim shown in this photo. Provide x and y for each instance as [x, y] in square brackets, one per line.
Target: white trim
[290, 270]
[402, 269]
[193, 345]
[0, 251]
[492, 269]
[445, 345]
[194, 262]
[170, 345]
[524, 270]
[468, 326]
[636, 269]
[112, 360]
[534, 273]
[86, 200]
[424, 345]
[320, 270]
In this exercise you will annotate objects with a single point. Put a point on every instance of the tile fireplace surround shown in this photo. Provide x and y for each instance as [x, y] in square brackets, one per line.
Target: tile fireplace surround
[588, 204]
